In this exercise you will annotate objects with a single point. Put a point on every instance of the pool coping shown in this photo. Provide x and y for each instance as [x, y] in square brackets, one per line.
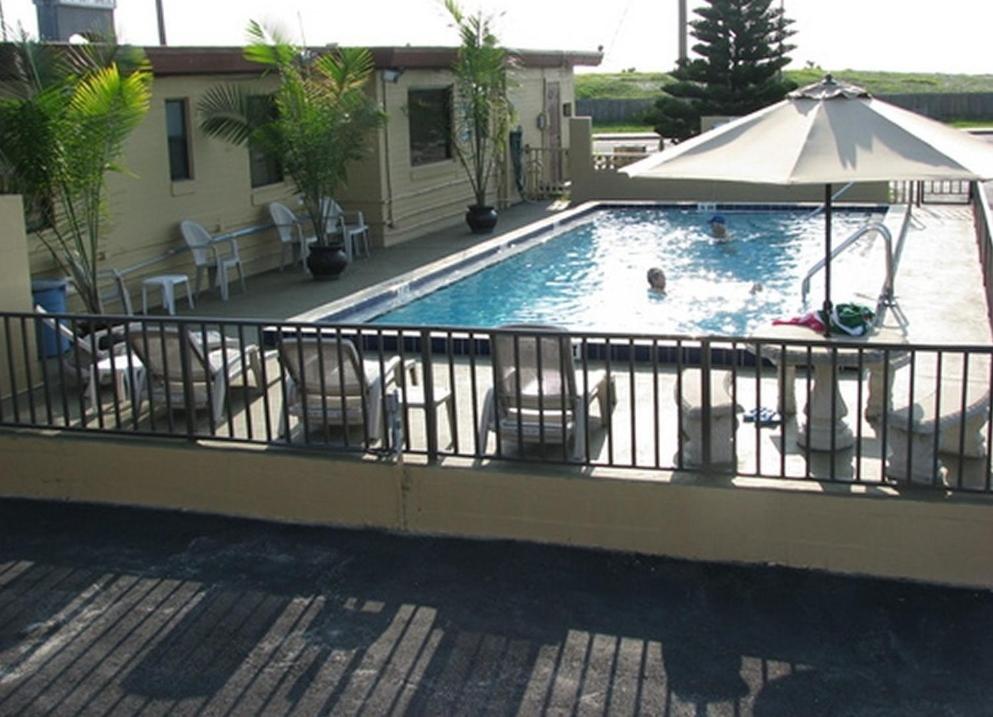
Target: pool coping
[374, 300]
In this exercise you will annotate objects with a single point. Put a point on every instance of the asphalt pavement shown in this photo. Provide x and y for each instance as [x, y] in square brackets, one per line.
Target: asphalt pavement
[125, 611]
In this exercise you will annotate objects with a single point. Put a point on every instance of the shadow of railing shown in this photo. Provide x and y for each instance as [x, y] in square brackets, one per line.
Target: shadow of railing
[248, 618]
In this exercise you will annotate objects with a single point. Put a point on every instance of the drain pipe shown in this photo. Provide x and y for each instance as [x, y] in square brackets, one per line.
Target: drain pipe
[386, 157]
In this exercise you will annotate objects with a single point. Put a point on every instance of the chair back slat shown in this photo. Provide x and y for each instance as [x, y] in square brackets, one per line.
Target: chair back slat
[198, 240]
[516, 363]
[319, 366]
[164, 357]
[284, 220]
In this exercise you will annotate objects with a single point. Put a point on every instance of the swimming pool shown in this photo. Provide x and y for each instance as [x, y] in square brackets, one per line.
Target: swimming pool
[591, 275]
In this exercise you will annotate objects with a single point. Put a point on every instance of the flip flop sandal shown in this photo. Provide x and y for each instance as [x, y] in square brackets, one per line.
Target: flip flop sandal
[763, 417]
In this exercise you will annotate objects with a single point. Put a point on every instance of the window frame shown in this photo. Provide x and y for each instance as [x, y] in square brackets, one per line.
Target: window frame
[449, 151]
[273, 168]
[187, 137]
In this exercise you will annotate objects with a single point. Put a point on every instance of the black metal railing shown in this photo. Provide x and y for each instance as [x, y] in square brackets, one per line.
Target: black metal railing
[932, 191]
[870, 414]
[983, 218]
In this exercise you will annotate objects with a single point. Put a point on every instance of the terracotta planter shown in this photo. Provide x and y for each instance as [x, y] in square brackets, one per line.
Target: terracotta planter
[481, 219]
[326, 262]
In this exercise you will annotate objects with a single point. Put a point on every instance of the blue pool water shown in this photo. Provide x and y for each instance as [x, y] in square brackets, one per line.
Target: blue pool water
[592, 276]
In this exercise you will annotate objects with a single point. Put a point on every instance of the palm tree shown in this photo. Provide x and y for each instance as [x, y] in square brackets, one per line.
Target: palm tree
[322, 121]
[64, 121]
[482, 107]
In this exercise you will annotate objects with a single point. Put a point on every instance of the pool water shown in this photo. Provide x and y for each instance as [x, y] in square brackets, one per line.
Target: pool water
[592, 276]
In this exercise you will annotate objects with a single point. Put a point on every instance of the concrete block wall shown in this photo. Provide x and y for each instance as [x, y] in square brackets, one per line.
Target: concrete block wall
[923, 536]
[15, 295]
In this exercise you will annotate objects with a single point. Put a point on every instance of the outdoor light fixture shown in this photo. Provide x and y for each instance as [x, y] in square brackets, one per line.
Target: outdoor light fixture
[392, 74]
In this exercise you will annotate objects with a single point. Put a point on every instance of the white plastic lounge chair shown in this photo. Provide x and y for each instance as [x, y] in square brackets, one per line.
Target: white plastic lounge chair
[352, 227]
[330, 385]
[549, 406]
[212, 369]
[207, 257]
[291, 233]
[98, 358]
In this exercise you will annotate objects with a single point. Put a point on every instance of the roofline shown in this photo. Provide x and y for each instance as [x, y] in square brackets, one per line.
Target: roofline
[230, 60]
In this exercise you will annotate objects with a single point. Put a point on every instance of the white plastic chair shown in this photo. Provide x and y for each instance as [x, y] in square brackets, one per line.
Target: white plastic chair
[206, 256]
[115, 291]
[538, 396]
[290, 230]
[352, 227]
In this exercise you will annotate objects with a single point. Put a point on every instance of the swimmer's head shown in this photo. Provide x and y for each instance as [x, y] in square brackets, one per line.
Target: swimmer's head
[656, 278]
[718, 227]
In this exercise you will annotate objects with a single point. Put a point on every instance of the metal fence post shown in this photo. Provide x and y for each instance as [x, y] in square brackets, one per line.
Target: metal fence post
[705, 437]
[430, 418]
[186, 367]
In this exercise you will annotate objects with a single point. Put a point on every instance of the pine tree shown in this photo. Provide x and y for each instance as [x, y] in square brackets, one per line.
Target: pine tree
[741, 50]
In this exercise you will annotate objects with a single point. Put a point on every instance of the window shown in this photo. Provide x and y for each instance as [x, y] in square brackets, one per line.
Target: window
[178, 136]
[265, 168]
[430, 113]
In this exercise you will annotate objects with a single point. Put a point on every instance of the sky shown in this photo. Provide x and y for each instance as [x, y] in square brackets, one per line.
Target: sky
[895, 35]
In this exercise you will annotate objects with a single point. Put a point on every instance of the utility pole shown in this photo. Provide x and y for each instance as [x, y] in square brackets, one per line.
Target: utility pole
[3, 23]
[682, 31]
[160, 14]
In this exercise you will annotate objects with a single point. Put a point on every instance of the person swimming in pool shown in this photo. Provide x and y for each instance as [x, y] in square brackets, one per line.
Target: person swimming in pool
[718, 228]
[656, 279]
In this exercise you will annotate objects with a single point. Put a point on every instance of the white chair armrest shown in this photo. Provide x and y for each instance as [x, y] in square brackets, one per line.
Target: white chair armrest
[231, 241]
[358, 216]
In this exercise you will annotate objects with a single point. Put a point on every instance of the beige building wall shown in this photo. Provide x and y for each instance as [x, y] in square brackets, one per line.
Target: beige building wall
[420, 199]
[842, 529]
[15, 295]
[146, 207]
[400, 201]
[588, 184]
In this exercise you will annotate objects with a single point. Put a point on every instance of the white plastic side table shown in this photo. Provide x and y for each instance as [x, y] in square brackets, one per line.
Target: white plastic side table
[167, 283]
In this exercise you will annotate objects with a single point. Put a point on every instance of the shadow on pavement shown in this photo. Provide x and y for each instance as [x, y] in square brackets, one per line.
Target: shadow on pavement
[114, 610]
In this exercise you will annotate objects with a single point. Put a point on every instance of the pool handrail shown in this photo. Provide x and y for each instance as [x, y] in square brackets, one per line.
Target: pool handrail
[886, 296]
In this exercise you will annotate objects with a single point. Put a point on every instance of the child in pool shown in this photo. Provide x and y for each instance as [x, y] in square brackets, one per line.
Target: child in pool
[656, 279]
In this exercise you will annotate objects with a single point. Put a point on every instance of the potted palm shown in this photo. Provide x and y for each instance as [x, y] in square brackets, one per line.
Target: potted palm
[322, 121]
[482, 110]
[65, 116]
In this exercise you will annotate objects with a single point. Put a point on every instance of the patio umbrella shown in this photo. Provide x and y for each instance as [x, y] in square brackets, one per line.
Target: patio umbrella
[826, 133]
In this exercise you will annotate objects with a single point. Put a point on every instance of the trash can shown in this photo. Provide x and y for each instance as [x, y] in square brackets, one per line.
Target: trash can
[50, 294]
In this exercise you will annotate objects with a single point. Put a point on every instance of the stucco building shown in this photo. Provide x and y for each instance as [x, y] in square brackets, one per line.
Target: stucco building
[409, 184]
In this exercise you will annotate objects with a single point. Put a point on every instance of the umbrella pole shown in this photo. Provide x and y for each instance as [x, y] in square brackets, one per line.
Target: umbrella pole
[827, 259]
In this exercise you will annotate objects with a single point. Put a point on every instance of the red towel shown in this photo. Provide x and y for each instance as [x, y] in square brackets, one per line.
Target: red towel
[811, 320]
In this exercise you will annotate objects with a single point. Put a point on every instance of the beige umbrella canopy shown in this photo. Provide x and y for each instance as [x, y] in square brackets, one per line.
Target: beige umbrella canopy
[825, 133]
[829, 132]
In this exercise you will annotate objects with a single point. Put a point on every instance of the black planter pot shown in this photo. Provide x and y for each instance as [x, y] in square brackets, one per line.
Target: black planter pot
[481, 219]
[326, 262]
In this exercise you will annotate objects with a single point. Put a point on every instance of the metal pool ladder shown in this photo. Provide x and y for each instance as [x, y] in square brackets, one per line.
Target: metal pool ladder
[886, 297]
